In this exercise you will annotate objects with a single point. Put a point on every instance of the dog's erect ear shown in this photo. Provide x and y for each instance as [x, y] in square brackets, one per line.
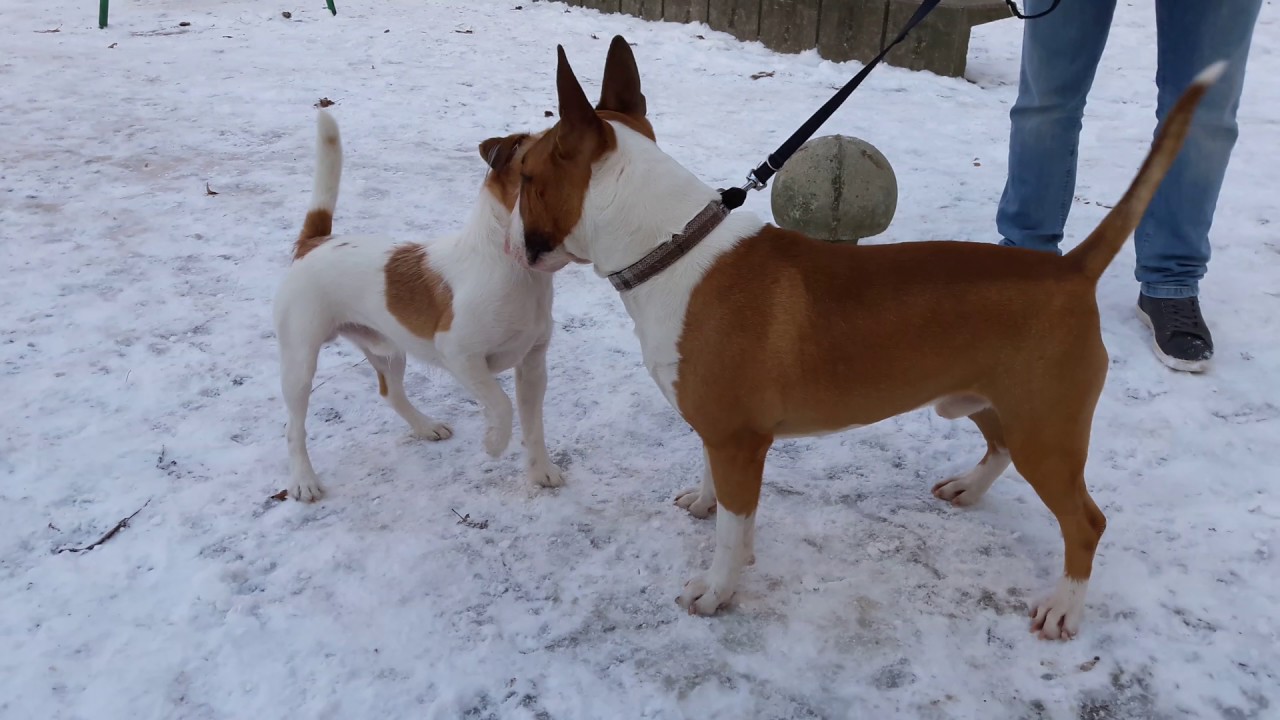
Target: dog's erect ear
[620, 91]
[576, 112]
[497, 152]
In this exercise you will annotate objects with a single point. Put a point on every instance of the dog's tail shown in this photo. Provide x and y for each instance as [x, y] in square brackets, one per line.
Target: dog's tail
[318, 225]
[1098, 250]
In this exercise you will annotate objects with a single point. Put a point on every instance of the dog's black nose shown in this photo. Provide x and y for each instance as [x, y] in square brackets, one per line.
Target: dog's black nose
[536, 244]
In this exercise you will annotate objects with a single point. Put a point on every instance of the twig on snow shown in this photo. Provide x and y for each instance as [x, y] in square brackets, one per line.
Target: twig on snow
[466, 520]
[124, 523]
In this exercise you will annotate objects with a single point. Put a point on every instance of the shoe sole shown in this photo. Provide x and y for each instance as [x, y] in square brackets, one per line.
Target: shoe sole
[1189, 366]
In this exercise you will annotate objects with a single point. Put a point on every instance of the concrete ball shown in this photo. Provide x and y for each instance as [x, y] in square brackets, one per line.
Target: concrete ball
[836, 188]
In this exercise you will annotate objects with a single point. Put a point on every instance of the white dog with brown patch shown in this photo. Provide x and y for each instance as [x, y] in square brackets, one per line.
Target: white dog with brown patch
[459, 303]
[755, 333]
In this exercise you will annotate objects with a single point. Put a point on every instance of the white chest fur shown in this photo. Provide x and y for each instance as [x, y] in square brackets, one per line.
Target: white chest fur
[658, 307]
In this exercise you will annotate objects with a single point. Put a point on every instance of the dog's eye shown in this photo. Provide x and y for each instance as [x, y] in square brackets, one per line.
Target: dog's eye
[524, 178]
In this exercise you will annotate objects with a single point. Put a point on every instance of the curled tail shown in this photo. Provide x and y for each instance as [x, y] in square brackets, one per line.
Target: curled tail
[318, 225]
[1100, 248]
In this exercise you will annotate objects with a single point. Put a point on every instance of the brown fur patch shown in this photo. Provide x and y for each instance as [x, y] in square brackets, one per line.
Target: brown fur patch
[639, 124]
[557, 171]
[382, 384]
[416, 295]
[832, 336]
[316, 229]
[505, 156]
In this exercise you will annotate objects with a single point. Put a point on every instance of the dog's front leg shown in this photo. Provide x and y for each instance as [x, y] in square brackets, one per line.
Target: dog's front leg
[737, 469]
[531, 388]
[473, 372]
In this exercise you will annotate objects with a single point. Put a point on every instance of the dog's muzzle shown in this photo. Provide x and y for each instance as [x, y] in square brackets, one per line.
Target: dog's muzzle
[536, 244]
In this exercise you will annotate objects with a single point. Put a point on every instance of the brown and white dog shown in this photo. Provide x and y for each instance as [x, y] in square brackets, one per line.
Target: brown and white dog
[759, 333]
[458, 302]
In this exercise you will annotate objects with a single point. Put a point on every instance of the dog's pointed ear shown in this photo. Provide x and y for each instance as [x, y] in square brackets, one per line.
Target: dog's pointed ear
[576, 112]
[620, 91]
[497, 152]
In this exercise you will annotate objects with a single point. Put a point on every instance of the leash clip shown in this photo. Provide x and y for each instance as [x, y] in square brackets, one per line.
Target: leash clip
[753, 178]
[734, 197]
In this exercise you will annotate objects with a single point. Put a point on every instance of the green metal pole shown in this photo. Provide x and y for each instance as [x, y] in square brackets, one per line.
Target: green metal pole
[332, 9]
[102, 12]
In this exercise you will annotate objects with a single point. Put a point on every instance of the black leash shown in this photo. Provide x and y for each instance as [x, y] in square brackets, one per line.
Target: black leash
[1013, 7]
[667, 253]
[758, 178]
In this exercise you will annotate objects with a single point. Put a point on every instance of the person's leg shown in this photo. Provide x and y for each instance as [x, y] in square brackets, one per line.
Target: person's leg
[1172, 241]
[1060, 54]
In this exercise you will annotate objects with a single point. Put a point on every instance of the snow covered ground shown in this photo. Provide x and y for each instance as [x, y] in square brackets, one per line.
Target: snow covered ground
[139, 368]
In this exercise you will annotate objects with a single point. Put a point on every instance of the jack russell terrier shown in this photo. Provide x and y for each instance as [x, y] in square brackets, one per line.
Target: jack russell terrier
[753, 332]
[459, 303]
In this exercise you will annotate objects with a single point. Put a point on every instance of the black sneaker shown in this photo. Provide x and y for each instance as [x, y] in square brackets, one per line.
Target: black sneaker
[1182, 340]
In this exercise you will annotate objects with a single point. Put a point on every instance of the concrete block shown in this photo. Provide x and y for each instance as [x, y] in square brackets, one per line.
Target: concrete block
[851, 29]
[685, 11]
[940, 44]
[789, 26]
[740, 18]
[647, 9]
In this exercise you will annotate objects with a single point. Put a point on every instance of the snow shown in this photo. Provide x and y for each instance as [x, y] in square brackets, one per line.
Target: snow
[139, 365]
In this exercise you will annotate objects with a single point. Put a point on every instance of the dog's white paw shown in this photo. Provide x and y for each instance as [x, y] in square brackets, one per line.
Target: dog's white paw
[432, 430]
[306, 488]
[1057, 617]
[701, 597]
[697, 505]
[546, 475]
[967, 489]
[960, 490]
[497, 436]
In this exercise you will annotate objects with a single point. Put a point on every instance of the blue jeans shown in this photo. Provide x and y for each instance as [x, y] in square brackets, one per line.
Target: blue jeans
[1060, 54]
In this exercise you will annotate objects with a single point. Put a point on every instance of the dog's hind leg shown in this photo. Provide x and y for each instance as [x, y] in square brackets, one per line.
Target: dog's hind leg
[968, 488]
[1049, 441]
[1058, 478]
[700, 501]
[299, 347]
[390, 371]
